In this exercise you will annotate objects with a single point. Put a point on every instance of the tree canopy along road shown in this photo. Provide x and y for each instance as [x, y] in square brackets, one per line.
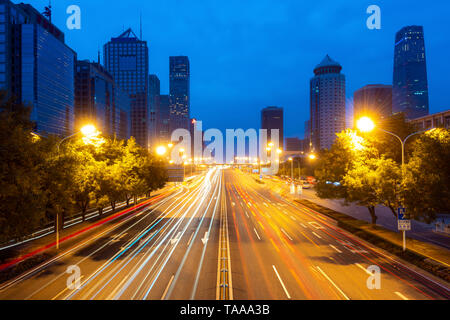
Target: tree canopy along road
[223, 237]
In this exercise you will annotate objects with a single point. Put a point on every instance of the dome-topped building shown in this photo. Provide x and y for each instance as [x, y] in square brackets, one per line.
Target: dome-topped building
[327, 104]
[327, 65]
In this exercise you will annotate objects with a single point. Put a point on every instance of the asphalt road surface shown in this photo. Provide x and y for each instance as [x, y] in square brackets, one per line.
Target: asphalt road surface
[222, 237]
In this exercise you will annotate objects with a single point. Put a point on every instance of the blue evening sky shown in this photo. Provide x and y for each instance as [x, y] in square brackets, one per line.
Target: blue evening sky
[249, 54]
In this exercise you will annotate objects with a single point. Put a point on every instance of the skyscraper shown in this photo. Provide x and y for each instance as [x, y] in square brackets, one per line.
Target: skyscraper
[410, 85]
[164, 119]
[374, 101]
[272, 118]
[37, 67]
[327, 103]
[294, 144]
[126, 59]
[99, 100]
[154, 91]
[179, 93]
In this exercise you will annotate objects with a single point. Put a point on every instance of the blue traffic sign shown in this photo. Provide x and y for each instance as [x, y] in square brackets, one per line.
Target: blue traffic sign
[401, 213]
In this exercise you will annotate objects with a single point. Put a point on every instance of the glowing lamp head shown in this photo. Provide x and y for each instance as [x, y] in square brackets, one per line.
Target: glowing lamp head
[290, 159]
[89, 130]
[160, 151]
[312, 156]
[365, 124]
[279, 151]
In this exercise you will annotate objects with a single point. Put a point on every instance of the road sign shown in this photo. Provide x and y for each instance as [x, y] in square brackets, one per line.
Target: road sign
[404, 225]
[401, 213]
[175, 174]
[300, 190]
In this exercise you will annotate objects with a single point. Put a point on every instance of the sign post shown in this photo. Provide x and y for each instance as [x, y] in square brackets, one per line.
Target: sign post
[404, 224]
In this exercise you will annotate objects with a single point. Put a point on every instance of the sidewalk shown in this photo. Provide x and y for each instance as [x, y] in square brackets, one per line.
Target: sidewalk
[423, 246]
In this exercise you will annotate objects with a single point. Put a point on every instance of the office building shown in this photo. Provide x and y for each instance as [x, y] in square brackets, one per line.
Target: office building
[437, 120]
[154, 91]
[373, 101]
[179, 92]
[126, 59]
[294, 144]
[100, 101]
[272, 118]
[327, 104]
[164, 133]
[37, 67]
[410, 84]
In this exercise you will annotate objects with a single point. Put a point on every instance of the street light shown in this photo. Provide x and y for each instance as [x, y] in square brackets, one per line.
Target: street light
[312, 157]
[366, 124]
[88, 131]
[161, 150]
[292, 168]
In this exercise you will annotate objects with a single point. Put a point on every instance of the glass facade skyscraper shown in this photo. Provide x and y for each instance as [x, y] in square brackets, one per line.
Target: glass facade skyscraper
[410, 85]
[154, 91]
[37, 67]
[327, 104]
[179, 93]
[272, 118]
[126, 59]
[99, 100]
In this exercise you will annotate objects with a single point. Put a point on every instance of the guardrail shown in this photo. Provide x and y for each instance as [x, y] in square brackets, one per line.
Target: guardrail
[50, 228]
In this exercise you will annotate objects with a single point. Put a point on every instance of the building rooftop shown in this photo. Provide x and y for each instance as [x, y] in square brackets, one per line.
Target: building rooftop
[328, 62]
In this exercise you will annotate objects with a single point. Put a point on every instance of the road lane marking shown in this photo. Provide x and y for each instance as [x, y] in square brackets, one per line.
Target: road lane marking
[282, 283]
[257, 233]
[265, 204]
[261, 225]
[293, 218]
[190, 239]
[285, 233]
[304, 226]
[309, 239]
[334, 284]
[401, 296]
[176, 239]
[246, 213]
[316, 225]
[274, 244]
[337, 250]
[317, 235]
[365, 270]
[167, 288]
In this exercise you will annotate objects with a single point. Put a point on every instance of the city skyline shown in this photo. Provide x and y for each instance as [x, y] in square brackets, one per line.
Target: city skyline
[223, 152]
[337, 35]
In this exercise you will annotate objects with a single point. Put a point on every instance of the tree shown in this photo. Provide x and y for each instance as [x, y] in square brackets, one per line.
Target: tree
[21, 159]
[348, 172]
[426, 185]
[360, 184]
[388, 184]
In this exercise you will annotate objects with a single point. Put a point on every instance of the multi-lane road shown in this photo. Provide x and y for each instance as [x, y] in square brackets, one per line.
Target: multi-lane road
[223, 236]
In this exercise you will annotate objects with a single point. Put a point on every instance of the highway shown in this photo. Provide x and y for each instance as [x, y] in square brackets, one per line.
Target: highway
[222, 237]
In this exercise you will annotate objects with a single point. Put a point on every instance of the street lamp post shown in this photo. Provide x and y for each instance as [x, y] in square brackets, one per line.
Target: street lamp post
[87, 131]
[367, 125]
